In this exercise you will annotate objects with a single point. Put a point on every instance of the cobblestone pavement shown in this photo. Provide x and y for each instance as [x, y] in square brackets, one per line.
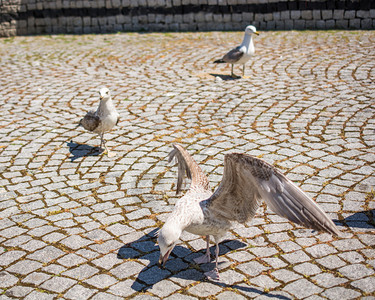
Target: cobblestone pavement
[79, 225]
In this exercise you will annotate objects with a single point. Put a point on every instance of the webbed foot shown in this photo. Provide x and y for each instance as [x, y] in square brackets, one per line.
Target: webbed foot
[213, 275]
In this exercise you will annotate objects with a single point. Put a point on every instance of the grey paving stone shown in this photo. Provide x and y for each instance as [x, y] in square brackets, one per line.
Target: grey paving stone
[331, 262]
[307, 269]
[127, 269]
[252, 268]
[24, 267]
[75, 242]
[53, 269]
[320, 250]
[340, 292]
[18, 291]
[229, 295]
[46, 254]
[71, 260]
[10, 256]
[285, 275]
[78, 292]
[296, 257]
[274, 262]
[82, 272]
[36, 278]
[180, 296]
[101, 281]
[106, 261]
[125, 288]
[164, 288]
[352, 257]
[104, 296]
[40, 295]
[365, 284]
[58, 284]
[230, 277]
[108, 246]
[7, 279]
[204, 289]
[328, 280]
[308, 288]
[265, 282]
[356, 271]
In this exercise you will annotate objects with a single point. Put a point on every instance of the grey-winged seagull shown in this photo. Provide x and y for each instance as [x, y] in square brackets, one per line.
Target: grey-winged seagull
[246, 181]
[103, 119]
[242, 53]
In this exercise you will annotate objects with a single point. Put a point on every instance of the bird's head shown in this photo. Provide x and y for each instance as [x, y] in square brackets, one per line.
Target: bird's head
[167, 239]
[251, 29]
[104, 93]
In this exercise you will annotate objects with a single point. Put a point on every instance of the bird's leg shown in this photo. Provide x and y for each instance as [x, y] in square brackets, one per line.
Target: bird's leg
[101, 142]
[109, 153]
[214, 274]
[232, 74]
[205, 258]
[243, 70]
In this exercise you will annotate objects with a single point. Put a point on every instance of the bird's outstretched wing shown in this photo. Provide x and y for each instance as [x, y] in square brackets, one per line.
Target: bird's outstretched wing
[247, 180]
[188, 166]
[90, 121]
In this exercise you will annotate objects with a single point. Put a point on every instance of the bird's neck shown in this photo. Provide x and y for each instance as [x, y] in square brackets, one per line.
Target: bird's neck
[247, 40]
[177, 221]
[106, 106]
[173, 227]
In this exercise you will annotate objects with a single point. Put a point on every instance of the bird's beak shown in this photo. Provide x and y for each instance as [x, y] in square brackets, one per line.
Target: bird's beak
[256, 32]
[163, 259]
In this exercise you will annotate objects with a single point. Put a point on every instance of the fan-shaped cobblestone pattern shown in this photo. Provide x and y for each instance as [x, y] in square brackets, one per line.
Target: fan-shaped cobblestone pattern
[79, 225]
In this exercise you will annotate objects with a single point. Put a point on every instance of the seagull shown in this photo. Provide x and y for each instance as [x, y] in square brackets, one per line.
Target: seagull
[246, 181]
[242, 53]
[103, 119]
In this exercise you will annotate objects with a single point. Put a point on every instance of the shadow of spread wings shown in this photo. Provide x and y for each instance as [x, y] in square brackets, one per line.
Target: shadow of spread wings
[90, 121]
[188, 166]
[233, 55]
[247, 180]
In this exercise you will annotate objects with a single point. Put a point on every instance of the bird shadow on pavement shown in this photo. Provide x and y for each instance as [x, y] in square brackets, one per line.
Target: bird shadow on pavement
[361, 219]
[82, 150]
[225, 77]
[180, 267]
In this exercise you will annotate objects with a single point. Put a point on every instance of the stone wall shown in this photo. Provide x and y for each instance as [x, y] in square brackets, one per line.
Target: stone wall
[24, 17]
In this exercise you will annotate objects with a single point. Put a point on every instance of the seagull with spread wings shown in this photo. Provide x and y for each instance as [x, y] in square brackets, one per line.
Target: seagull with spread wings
[103, 119]
[246, 181]
[242, 53]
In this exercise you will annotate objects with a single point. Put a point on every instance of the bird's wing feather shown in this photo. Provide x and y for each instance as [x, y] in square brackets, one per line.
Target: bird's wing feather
[90, 121]
[247, 180]
[233, 55]
[188, 166]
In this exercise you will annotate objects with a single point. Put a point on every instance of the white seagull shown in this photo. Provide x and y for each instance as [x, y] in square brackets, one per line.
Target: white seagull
[103, 119]
[246, 181]
[242, 53]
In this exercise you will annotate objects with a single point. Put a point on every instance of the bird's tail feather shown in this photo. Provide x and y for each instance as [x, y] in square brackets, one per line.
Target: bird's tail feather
[219, 61]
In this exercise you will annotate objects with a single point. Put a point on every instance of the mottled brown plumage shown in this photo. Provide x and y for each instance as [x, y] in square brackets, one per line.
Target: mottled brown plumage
[103, 119]
[90, 121]
[246, 181]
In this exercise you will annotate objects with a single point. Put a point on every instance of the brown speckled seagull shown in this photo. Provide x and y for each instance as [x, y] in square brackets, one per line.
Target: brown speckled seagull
[246, 181]
[103, 119]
